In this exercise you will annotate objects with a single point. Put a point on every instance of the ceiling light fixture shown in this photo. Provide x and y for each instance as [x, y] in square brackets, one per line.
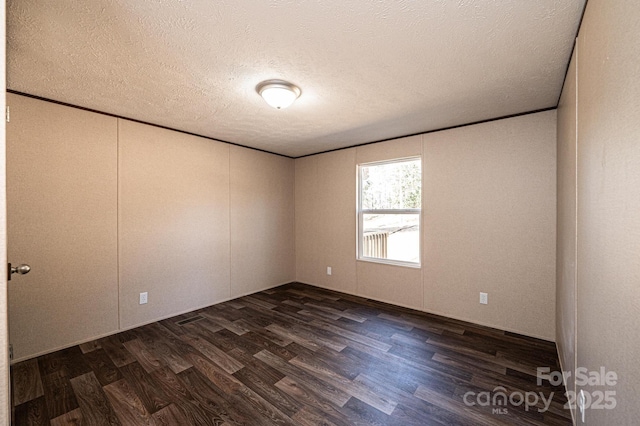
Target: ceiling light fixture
[278, 93]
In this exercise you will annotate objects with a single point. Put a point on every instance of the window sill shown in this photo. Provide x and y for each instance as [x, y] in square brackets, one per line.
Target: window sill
[389, 262]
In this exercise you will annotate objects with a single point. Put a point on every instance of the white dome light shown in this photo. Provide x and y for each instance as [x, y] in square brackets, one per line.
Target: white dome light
[278, 93]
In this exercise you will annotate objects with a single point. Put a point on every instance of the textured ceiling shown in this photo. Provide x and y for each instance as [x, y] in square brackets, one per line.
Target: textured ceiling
[368, 70]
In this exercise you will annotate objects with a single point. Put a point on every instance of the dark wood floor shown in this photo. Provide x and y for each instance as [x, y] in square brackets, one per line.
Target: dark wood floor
[292, 355]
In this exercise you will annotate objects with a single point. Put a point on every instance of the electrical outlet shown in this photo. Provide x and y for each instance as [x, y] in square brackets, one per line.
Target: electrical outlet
[143, 298]
[328, 270]
[484, 298]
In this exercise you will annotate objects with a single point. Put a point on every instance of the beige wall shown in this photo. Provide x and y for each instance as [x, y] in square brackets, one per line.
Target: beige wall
[173, 222]
[488, 222]
[566, 227]
[62, 220]
[324, 214]
[489, 213]
[608, 205]
[104, 208]
[262, 221]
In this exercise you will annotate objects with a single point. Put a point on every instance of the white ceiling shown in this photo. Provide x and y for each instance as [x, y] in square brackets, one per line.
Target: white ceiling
[368, 70]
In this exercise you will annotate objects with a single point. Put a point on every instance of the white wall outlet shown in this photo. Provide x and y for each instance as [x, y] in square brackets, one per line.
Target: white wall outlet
[328, 270]
[484, 298]
[143, 298]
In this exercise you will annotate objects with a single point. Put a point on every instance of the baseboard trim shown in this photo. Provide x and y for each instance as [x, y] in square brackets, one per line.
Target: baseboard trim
[269, 287]
[111, 333]
[440, 314]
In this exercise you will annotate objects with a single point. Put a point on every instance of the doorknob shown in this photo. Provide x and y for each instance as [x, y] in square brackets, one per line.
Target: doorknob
[21, 269]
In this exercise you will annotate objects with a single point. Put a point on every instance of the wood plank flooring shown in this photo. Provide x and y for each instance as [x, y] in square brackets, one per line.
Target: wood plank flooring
[293, 355]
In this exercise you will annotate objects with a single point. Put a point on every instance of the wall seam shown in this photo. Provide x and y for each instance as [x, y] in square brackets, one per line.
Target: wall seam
[295, 244]
[229, 211]
[575, 334]
[423, 251]
[118, 216]
[354, 166]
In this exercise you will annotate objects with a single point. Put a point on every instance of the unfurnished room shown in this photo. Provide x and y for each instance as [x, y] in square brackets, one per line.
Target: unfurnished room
[272, 212]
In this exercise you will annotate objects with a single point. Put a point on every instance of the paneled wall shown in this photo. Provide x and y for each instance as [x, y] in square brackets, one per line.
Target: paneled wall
[62, 195]
[566, 226]
[490, 217]
[104, 208]
[598, 314]
[173, 222]
[262, 220]
[489, 194]
[324, 211]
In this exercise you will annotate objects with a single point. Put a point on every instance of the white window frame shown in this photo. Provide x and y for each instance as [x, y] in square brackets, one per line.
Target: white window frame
[361, 212]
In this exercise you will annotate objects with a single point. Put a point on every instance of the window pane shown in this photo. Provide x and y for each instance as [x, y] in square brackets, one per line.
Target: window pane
[392, 236]
[391, 186]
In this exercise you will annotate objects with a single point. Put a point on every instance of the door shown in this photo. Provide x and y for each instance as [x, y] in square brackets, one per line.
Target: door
[61, 176]
[5, 408]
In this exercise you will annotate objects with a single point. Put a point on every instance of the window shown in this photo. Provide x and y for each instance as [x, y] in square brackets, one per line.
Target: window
[389, 209]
